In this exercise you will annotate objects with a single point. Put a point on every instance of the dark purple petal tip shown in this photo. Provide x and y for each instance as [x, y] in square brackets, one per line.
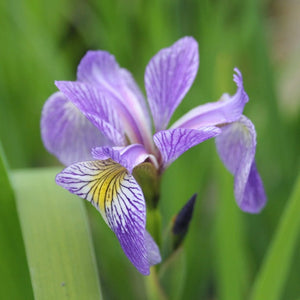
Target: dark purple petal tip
[254, 199]
[184, 217]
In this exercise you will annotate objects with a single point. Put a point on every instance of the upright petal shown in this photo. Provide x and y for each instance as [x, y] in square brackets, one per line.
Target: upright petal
[168, 77]
[95, 106]
[118, 197]
[174, 142]
[228, 109]
[66, 132]
[101, 69]
[236, 146]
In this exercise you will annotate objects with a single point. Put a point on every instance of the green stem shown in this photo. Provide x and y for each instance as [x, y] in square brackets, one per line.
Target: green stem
[273, 274]
[154, 224]
[153, 288]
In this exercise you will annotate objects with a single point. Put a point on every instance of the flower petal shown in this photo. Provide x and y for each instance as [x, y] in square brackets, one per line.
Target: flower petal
[66, 132]
[168, 77]
[152, 250]
[118, 197]
[174, 142]
[95, 107]
[228, 109]
[100, 68]
[129, 156]
[236, 146]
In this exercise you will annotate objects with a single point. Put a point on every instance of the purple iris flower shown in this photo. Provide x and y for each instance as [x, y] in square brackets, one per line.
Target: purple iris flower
[99, 126]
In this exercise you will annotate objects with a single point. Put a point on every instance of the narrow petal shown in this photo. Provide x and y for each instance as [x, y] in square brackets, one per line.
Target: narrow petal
[228, 109]
[100, 68]
[95, 106]
[134, 91]
[118, 197]
[129, 156]
[236, 146]
[66, 132]
[174, 142]
[168, 77]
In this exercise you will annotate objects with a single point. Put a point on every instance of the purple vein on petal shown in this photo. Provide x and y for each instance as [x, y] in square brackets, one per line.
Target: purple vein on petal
[174, 142]
[236, 146]
[118, 197]
[101, 69]
[96, 107]
[168, 77]
[66, 132]
[228, 109]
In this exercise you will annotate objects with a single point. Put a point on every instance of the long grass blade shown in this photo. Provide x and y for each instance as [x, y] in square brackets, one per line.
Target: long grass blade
[57, 238]
[14, 271]
[272, 277]
[231, 260]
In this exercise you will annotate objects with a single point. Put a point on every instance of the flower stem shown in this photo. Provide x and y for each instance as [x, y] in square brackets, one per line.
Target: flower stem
[154, 225]
[153, 288]
[273, 274]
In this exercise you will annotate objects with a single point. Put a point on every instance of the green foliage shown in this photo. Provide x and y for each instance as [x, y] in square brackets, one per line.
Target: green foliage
[14, 273]
[57, 238]
[273, 275]
[224, 250]
[231, 257]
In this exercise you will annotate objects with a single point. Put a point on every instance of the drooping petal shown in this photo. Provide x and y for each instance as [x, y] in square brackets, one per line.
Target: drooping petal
[174, 142]
[129, 156]
[236, 146]
[152, 250]
[118, 197]
[168, 77]
[66, 132]
[95, 106]
[100, 69]
[228, 109]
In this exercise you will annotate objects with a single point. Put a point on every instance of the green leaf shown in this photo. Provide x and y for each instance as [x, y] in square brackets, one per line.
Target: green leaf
[57, 238]
[14, 273]
[231, 260]
[172, 274]
[270, 281]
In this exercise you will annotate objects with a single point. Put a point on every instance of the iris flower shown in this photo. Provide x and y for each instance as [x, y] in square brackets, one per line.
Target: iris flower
[99, 126]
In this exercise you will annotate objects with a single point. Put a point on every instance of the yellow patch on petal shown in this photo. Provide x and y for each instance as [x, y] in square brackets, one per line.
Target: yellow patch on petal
[106, 183]
[110, 188]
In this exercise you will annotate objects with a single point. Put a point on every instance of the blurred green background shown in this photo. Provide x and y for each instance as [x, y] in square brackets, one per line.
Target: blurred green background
[43, 41]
